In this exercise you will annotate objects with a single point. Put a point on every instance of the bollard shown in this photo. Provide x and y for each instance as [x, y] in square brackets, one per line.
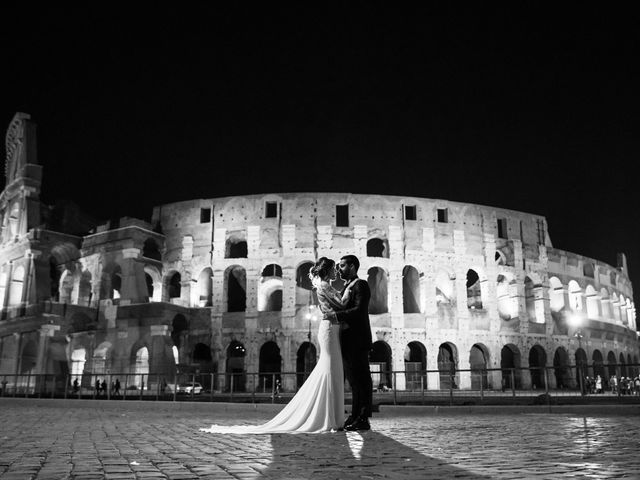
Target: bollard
[450, 389]
[482, 375]
[422, 388]
[513, 383]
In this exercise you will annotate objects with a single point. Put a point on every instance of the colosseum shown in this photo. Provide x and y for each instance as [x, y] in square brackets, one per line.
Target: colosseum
[220, 286]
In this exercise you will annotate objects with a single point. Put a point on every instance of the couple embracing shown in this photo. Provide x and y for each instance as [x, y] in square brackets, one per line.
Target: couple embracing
[344, 338]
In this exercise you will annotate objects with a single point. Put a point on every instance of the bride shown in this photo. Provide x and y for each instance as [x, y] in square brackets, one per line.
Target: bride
[319, 404]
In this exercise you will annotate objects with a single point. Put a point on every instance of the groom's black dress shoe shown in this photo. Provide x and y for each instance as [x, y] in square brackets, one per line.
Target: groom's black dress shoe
[350, 419]
[359, 424]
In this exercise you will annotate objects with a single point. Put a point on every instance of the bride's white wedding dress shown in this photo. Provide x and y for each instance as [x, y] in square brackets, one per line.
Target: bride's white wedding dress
[319, 404]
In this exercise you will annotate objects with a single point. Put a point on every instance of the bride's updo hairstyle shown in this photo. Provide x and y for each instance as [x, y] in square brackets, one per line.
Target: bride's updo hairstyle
[321, 268]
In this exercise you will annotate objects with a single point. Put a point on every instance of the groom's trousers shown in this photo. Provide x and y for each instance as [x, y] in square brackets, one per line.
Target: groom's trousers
[356, 369]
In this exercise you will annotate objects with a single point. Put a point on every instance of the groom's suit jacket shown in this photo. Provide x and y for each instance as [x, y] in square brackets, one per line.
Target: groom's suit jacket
[357, 334]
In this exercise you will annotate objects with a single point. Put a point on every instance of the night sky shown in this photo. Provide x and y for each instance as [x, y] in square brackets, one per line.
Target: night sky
[530, 109]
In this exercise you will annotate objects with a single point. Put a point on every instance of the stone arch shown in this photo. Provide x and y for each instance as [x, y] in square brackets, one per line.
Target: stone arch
[111, 281]
[179, 328]
[591, 297]
[448, 365]
[377, 278]
[205, 288]
[380, 361]
[85, 289]
[236, 246]
[269, 365]
[236, 288]
[410, 289]
[598, 364]
[537, 364]
[478, 363]
[270, 288]
[28, 357]
[102, 358]
[153, 280]
[561, 368]
[556, 294]
[150, 249]
[504, 287]
[415, 364]
[304, 289]
[445, 288]
[17, 285]
[174, 285]
[611, 364]
[623, 366]
[474, 291]
[575, 296]
[140, 360]
[78, 360]
[66, 284]
[510, 362]
[63, 255]
[235, 367]
[377, 247]
[305, 362]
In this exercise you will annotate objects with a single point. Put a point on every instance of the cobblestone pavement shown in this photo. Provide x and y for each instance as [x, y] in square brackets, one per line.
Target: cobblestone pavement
[83, 440]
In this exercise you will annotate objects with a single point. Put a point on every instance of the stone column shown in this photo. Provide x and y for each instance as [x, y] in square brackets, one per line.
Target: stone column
[324, 239]
[161, 361]
[396, 243]
[288, 297]
[134, 287]
[433, 377]
[463, 364]
[398, 343]
[360, 234]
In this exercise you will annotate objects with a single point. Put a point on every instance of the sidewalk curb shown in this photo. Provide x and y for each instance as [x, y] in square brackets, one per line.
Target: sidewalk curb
[597, 410]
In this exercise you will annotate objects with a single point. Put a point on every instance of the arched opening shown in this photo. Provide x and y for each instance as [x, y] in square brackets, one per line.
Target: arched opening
[503, 292]
[141, 368]
[175, 286]
[270, 365]
[510, 365]
[179, 326]
[66, 286]
[537, 362]
[236, 378]
[415, 364]
[236, 248]
[17, 282]
[376, 247]
[202, 357]
[305, 361]
[151, 250]
[149, 282]
[410, 290]
[474, 296]
[575, 296]
[623, 366]
[304, 290]
[448, 365]
[78, 359]
[380, 364]
[561, 368]
[55, 272]
[611, 364]
[236, 289]
[270, 289]
[556, 294]
[598, 364]
[85, 293]
[205, 288]
[591, 297]
[478, 361]
[28, 358]
[377, 279]
[100, 359]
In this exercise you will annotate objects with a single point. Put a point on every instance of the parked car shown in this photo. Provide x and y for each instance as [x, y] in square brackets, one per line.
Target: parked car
[188, 387]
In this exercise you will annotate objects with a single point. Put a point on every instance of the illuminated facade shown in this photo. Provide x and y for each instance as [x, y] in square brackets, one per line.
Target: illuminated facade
[220, 285]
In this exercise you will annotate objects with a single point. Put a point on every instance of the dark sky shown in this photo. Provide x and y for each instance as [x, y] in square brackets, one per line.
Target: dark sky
[529, 109]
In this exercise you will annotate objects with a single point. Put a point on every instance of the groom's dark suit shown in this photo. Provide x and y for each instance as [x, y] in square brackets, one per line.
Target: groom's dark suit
[355, 341]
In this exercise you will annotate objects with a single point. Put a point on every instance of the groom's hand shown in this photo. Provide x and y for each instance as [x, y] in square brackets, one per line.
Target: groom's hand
[331, 316]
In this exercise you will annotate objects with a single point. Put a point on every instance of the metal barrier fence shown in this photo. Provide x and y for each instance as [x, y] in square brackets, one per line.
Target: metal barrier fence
[398, 387]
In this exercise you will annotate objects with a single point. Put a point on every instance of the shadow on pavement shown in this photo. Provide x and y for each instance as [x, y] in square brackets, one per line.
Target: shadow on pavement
[354, 455]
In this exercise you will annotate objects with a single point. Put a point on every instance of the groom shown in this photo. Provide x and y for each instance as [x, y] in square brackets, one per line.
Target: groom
[355, 340]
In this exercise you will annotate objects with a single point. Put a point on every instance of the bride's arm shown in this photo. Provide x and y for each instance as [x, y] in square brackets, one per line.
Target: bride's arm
[332, 298]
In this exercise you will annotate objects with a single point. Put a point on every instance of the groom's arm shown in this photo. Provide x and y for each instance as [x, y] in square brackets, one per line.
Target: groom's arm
[361, 295]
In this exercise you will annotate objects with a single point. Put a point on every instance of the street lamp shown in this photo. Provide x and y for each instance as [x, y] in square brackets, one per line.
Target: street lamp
[312, 313]
[575, 321]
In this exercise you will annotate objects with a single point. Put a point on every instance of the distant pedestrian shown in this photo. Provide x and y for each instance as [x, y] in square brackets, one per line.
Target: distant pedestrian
[104, 386]
[76, 386]
[98, 387]
[598, 384]
[116, 387]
